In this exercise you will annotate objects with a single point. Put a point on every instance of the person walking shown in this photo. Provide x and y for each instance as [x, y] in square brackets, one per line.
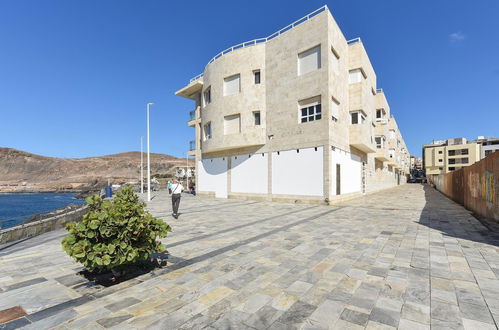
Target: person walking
[177, 189]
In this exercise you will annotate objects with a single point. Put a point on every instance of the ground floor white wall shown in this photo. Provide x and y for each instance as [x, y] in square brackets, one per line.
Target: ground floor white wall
[350, 171]
[298, 172]
[249, 174]
[290, 173]
[212, 176]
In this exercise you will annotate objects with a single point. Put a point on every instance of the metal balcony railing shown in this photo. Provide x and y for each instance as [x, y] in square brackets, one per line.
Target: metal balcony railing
[262, 40]
[192, 145]
[353, 41]
[192, 115]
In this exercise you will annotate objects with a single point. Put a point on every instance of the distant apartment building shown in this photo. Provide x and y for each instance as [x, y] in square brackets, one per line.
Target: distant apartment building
[416, 163]
[442, 157]
[296, 116]
[488, 145]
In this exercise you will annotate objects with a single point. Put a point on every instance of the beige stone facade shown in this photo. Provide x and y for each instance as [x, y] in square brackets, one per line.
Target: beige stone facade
[302, 108]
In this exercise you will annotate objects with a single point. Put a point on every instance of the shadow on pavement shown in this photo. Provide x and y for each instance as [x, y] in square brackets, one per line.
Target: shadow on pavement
[452, 219]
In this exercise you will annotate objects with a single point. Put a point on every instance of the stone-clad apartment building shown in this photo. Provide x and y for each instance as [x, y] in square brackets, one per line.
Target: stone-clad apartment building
[296, 116]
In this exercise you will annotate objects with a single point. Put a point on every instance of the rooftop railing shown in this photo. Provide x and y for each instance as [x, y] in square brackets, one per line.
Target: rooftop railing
[353, 41]
[262, 40]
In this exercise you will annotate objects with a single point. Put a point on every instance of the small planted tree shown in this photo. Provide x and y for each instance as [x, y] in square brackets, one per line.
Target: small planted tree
[115, 234]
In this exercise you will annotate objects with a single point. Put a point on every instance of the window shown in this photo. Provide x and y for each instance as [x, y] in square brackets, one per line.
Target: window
[355, 76]
[452, 161]
[232, 124]
[464, 160]
[488, 152]
[335, 60]
[464, 151]
[380, 114]
[335, 109]
[256, 115]
[440, 160]
[452, 168]
[256, 74]
[232, 84]
[309, 60]
[207, 131]
[452, 152]
[440, 151]
[380, 142]
[358, 117]
[440, 168]
[310, 109]
[207, 96]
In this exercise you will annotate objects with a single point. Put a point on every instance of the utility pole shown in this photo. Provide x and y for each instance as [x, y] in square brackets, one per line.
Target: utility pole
[141, 164]
[187, 170]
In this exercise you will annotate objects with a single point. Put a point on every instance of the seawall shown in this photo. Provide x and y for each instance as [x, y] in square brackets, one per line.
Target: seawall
[36, 228]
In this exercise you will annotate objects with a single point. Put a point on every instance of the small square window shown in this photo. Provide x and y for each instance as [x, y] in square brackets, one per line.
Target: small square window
[256, 74]
[355, 117]
[207, 96]
[207, 131]
[256, 115]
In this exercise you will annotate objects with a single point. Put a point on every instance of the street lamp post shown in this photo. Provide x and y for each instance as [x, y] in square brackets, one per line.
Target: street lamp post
[141, 164]
[187, 170]
[148, 156]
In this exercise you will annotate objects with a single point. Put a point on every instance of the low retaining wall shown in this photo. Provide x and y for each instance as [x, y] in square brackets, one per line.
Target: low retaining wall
[476, 187]
[42, 226]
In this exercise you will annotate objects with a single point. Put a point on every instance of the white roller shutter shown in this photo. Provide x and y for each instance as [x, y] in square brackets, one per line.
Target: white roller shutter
[232, 85]
[309, 61]
[355, 76]
[232, 124]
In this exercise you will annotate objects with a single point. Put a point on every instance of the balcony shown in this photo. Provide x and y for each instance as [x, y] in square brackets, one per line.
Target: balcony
[194, 117]
[191, 89]
[361, 137]
[248, 139]
[382, 154]
[192, 148]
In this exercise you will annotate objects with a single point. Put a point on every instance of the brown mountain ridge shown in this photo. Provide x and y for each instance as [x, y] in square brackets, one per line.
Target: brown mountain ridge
[24, 171]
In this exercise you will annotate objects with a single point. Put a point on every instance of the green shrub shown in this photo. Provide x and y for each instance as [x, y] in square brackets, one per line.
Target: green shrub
[114, 234]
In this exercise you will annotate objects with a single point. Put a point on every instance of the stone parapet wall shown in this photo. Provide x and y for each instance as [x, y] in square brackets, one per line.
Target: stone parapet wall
[39, 227]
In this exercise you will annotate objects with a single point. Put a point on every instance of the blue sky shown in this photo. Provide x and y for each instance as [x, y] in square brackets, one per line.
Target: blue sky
[75, 76]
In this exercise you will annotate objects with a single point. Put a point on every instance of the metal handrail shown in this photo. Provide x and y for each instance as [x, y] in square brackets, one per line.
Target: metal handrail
[262, 40]
[192, 145]
[353, 41]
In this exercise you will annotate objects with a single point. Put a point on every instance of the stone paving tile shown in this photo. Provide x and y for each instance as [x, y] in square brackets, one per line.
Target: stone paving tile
[406, 257]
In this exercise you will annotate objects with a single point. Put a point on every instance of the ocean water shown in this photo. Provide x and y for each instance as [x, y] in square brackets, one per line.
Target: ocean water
[17, 208]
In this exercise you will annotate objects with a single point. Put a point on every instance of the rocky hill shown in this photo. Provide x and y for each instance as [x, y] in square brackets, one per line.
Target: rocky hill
[23, 171]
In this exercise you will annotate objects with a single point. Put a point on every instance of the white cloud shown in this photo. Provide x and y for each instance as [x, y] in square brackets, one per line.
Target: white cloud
[456, 37]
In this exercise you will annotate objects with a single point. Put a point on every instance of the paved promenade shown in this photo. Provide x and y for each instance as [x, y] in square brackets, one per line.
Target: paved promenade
[404, 258]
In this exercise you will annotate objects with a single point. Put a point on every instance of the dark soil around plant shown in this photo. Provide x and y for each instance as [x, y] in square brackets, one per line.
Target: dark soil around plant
[109, 278]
